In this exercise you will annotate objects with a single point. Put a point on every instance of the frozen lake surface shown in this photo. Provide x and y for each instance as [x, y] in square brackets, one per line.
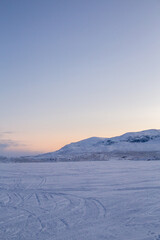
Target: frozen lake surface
[112, 200]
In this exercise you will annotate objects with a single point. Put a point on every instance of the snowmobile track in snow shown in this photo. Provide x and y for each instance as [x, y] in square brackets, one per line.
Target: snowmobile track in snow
[76, 201]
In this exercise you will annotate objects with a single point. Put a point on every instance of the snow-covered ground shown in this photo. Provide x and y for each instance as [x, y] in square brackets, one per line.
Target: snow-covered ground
[111, 200]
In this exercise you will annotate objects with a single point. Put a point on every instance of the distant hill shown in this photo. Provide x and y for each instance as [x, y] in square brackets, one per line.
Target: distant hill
[144, 145]
[139, 145]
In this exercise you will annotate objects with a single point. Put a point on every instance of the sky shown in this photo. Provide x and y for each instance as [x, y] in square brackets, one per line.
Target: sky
[74, 69]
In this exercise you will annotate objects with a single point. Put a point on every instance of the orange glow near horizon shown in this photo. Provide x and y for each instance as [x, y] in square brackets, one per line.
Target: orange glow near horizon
[48, 143]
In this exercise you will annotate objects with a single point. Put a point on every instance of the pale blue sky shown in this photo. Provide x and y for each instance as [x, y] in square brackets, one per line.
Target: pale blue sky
[73, 69]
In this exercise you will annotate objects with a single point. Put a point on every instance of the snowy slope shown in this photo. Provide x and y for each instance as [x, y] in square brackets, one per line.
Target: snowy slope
[148, 140]
[112, 200]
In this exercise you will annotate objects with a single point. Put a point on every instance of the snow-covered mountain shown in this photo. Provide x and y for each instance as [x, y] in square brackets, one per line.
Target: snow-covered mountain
[132, 142]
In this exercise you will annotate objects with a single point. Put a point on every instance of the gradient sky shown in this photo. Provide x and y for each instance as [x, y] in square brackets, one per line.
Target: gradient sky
[72, 69]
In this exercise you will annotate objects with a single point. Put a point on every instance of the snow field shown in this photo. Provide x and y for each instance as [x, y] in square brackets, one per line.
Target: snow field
[111, 200]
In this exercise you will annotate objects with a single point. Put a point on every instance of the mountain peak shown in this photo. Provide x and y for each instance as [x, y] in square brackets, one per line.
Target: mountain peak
[146, 140]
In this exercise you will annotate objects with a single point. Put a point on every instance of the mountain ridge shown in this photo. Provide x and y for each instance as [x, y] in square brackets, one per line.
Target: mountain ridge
[142, 145]
[142, 141]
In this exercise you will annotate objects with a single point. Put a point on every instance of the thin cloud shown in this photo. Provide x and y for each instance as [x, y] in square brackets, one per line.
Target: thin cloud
[5, 133]
[7, 143]
[11, 148]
